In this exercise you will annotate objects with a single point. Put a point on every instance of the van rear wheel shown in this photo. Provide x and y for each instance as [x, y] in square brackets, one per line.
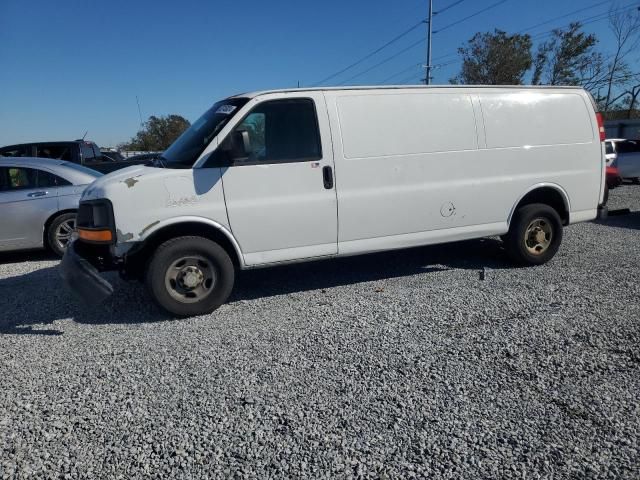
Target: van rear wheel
[535, 235]
[190, 276]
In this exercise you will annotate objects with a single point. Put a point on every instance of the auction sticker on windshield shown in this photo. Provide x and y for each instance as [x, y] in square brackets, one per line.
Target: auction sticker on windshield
[226, 109]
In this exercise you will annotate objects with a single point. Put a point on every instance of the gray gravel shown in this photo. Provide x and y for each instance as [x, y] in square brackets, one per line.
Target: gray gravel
[399, 365]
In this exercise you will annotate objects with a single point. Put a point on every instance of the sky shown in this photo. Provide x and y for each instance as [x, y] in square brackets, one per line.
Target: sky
[70, 66]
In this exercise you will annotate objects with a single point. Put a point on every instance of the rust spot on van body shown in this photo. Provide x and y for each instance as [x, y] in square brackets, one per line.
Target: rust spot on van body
[123, 237]
[130, 182]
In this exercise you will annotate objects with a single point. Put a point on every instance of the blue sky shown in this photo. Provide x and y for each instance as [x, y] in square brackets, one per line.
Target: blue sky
[71, 65]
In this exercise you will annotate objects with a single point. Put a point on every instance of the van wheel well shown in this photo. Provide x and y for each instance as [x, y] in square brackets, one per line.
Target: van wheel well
[137, 261]
[548, 196]
[50, 220]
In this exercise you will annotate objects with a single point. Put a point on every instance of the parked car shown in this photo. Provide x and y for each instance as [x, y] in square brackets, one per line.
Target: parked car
[145, 158]
[613, 177]
[112, 155]
[81, 152]
[39, 199]
[252, 184]
[625, 156]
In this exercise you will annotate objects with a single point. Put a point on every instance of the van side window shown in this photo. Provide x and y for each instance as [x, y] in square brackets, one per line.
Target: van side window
[278, 131]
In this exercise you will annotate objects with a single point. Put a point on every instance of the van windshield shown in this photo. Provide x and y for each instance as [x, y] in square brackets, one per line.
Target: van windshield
[189, 146]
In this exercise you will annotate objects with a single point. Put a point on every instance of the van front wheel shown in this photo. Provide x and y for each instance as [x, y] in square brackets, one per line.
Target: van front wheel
[190, 276]
[535, 235]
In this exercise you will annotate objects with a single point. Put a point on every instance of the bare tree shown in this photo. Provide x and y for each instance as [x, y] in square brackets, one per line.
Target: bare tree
[625, 26]
[634, 93]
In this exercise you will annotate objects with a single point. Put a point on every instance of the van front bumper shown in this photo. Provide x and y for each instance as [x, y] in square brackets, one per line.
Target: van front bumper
[82, 278]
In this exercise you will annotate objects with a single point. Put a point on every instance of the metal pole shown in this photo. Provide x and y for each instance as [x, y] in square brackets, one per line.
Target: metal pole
[139, 111]
[427, 77]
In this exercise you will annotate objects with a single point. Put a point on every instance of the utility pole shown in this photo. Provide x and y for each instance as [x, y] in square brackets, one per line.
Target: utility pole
[139, 111]
[427, 77]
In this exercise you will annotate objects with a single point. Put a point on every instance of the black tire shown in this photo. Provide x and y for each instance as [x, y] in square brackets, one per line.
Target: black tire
[59, 232]
[172, 284]
[535, 235]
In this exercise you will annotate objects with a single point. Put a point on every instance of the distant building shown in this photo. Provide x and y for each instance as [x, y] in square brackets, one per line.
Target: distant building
[629, 129]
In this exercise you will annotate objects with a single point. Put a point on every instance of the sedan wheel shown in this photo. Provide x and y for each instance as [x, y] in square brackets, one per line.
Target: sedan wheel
[60, 231]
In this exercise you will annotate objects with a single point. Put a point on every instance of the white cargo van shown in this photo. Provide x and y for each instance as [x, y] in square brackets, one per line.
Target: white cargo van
[294, 175]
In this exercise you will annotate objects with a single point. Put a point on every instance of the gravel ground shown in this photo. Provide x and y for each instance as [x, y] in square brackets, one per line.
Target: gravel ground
[393, 365]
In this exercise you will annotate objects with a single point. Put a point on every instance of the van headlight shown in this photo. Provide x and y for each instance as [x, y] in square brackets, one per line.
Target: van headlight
[95, 222]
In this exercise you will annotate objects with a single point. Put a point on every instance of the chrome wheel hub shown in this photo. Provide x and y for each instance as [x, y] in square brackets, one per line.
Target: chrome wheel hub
[538, 236]
[63, 233]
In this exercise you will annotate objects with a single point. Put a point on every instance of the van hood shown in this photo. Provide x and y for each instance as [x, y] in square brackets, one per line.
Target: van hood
[119, 179]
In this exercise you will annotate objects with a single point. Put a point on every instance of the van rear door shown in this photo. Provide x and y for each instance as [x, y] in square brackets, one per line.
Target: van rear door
[280, 194]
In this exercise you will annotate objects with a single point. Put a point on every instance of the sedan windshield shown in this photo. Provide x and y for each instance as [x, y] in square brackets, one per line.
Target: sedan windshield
[189, 146]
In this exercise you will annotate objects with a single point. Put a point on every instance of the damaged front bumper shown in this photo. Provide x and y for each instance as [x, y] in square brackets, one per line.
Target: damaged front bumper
[82, 278]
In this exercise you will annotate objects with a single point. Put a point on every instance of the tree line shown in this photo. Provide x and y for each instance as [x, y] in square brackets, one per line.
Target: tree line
[569, 57]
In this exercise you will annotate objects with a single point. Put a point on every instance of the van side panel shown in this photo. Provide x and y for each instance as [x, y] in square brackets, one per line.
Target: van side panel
[390, 125]
[403, 163]
[409, 163]
[538, 137]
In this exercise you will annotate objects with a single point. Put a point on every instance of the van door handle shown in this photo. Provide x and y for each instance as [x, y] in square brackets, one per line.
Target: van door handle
[37, 194]
[327, 176]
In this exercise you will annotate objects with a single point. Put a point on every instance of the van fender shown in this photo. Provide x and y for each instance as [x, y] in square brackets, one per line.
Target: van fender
[555, 186]
[155, 227]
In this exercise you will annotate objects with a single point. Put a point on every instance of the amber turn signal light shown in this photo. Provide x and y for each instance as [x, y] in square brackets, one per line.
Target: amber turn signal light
[95, 235]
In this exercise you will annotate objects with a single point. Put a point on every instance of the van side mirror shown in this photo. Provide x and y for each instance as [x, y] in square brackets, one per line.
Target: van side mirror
[242, 144]
[237, 146]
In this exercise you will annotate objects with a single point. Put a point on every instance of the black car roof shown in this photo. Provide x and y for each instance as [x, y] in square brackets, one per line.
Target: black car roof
[65, 142]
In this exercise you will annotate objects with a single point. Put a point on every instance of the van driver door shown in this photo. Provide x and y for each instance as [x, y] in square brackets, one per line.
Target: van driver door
[280, 187]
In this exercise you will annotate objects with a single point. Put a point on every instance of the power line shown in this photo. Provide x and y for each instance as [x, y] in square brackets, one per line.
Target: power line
[442, 10]
[588, 20]
[584, 21]
[388, 59]
[546, 22]
[378, 50]
[493, 5]
[405, 80]
[395, 39]
[369, 55]
[397, 74]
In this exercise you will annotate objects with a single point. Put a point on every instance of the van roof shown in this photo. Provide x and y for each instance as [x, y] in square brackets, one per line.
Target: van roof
[404, 87]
